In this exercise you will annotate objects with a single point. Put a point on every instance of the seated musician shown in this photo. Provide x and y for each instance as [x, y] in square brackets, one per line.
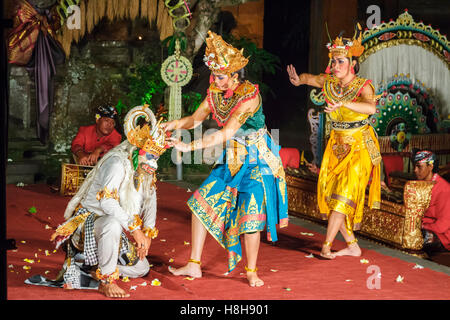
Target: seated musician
[93, 141]
[436, 219]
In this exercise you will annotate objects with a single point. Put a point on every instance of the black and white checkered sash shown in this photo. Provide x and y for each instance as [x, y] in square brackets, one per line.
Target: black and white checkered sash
[90, 245]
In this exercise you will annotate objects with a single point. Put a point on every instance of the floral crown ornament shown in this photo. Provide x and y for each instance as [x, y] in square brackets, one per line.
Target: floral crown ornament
[345, 46]
[149, 138]
[221, 57]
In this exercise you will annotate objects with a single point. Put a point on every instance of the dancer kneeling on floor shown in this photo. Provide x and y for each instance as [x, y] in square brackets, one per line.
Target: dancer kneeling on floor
[118, 195]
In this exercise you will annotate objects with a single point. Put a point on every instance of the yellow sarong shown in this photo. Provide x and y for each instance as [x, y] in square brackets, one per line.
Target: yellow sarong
[351, 158]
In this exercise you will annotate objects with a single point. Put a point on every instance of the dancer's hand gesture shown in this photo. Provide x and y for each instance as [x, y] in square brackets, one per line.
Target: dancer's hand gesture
[293, 76]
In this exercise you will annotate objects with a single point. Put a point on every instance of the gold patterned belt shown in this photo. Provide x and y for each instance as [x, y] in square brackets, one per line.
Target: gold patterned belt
[341, 125]
[251, 138]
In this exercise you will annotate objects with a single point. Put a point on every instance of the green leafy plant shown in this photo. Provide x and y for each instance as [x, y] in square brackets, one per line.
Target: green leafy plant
[145, 86]
[191, 101]
[260, 62]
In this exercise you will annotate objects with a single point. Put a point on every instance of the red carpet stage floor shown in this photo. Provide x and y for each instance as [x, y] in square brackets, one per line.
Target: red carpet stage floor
[289, 268]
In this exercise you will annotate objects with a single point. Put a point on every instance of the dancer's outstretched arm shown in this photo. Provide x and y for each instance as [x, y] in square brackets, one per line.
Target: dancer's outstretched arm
[305, 78]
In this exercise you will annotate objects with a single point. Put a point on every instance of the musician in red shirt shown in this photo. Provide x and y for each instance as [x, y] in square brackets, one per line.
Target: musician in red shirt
[436, 220]
[93, 141]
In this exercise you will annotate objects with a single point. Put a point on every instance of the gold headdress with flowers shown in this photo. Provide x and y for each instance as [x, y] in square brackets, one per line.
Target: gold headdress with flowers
[149, 138]
[221, 57]
[346, 47]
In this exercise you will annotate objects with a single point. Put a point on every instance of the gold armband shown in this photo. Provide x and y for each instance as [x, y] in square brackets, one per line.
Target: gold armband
[242, 116]
[105, 193]
[151, 233]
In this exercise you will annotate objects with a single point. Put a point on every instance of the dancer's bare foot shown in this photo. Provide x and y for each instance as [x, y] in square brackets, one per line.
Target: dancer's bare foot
[254, 280]
[191, 269]
[112, 290]
[326, 253]
[352, 250]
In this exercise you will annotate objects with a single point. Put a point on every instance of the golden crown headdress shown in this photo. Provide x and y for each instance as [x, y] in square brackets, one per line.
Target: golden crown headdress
[347, 47]
[151, 137]
[221, 57]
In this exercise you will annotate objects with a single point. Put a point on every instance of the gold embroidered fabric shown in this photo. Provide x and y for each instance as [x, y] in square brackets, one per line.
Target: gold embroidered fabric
[417, 196]
[137, 222]
[105, 193]
[236, 154]
[150, 232]
[223, 108]
[334, 93]
[70, 226]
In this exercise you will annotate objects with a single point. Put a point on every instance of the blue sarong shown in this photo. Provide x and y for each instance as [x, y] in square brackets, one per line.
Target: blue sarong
[245, 192]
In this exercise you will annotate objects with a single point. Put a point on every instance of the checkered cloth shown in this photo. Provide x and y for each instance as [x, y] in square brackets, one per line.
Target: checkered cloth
[90, 246]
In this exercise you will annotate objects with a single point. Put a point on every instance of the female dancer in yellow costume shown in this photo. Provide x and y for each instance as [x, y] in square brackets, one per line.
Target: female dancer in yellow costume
[352, 156]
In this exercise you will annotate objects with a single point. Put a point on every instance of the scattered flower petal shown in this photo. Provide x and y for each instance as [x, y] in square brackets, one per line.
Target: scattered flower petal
[32, 209]
[418, 266]
[126, 279]
[143, 284]
[287, 289]
[35, 255]
[47, 253]
[348, 280]
[10, 266]
[307, 234]
[189, 190]
[133, 287]
[163, 240]
[186, 243]
[309, 256]
[274, 270]
[20, 184]
[23, 241]
[47, 227]
[171, 260]
[364, 261]
[156, 283]
[46, 272]
[399, 279]
[27, 267]
[189, 278]
[164, 219]
[29, 260]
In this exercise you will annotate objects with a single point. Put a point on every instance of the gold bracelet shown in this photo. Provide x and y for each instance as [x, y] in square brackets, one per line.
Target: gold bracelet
[352, 242]
[194, 144]
[151, 233]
